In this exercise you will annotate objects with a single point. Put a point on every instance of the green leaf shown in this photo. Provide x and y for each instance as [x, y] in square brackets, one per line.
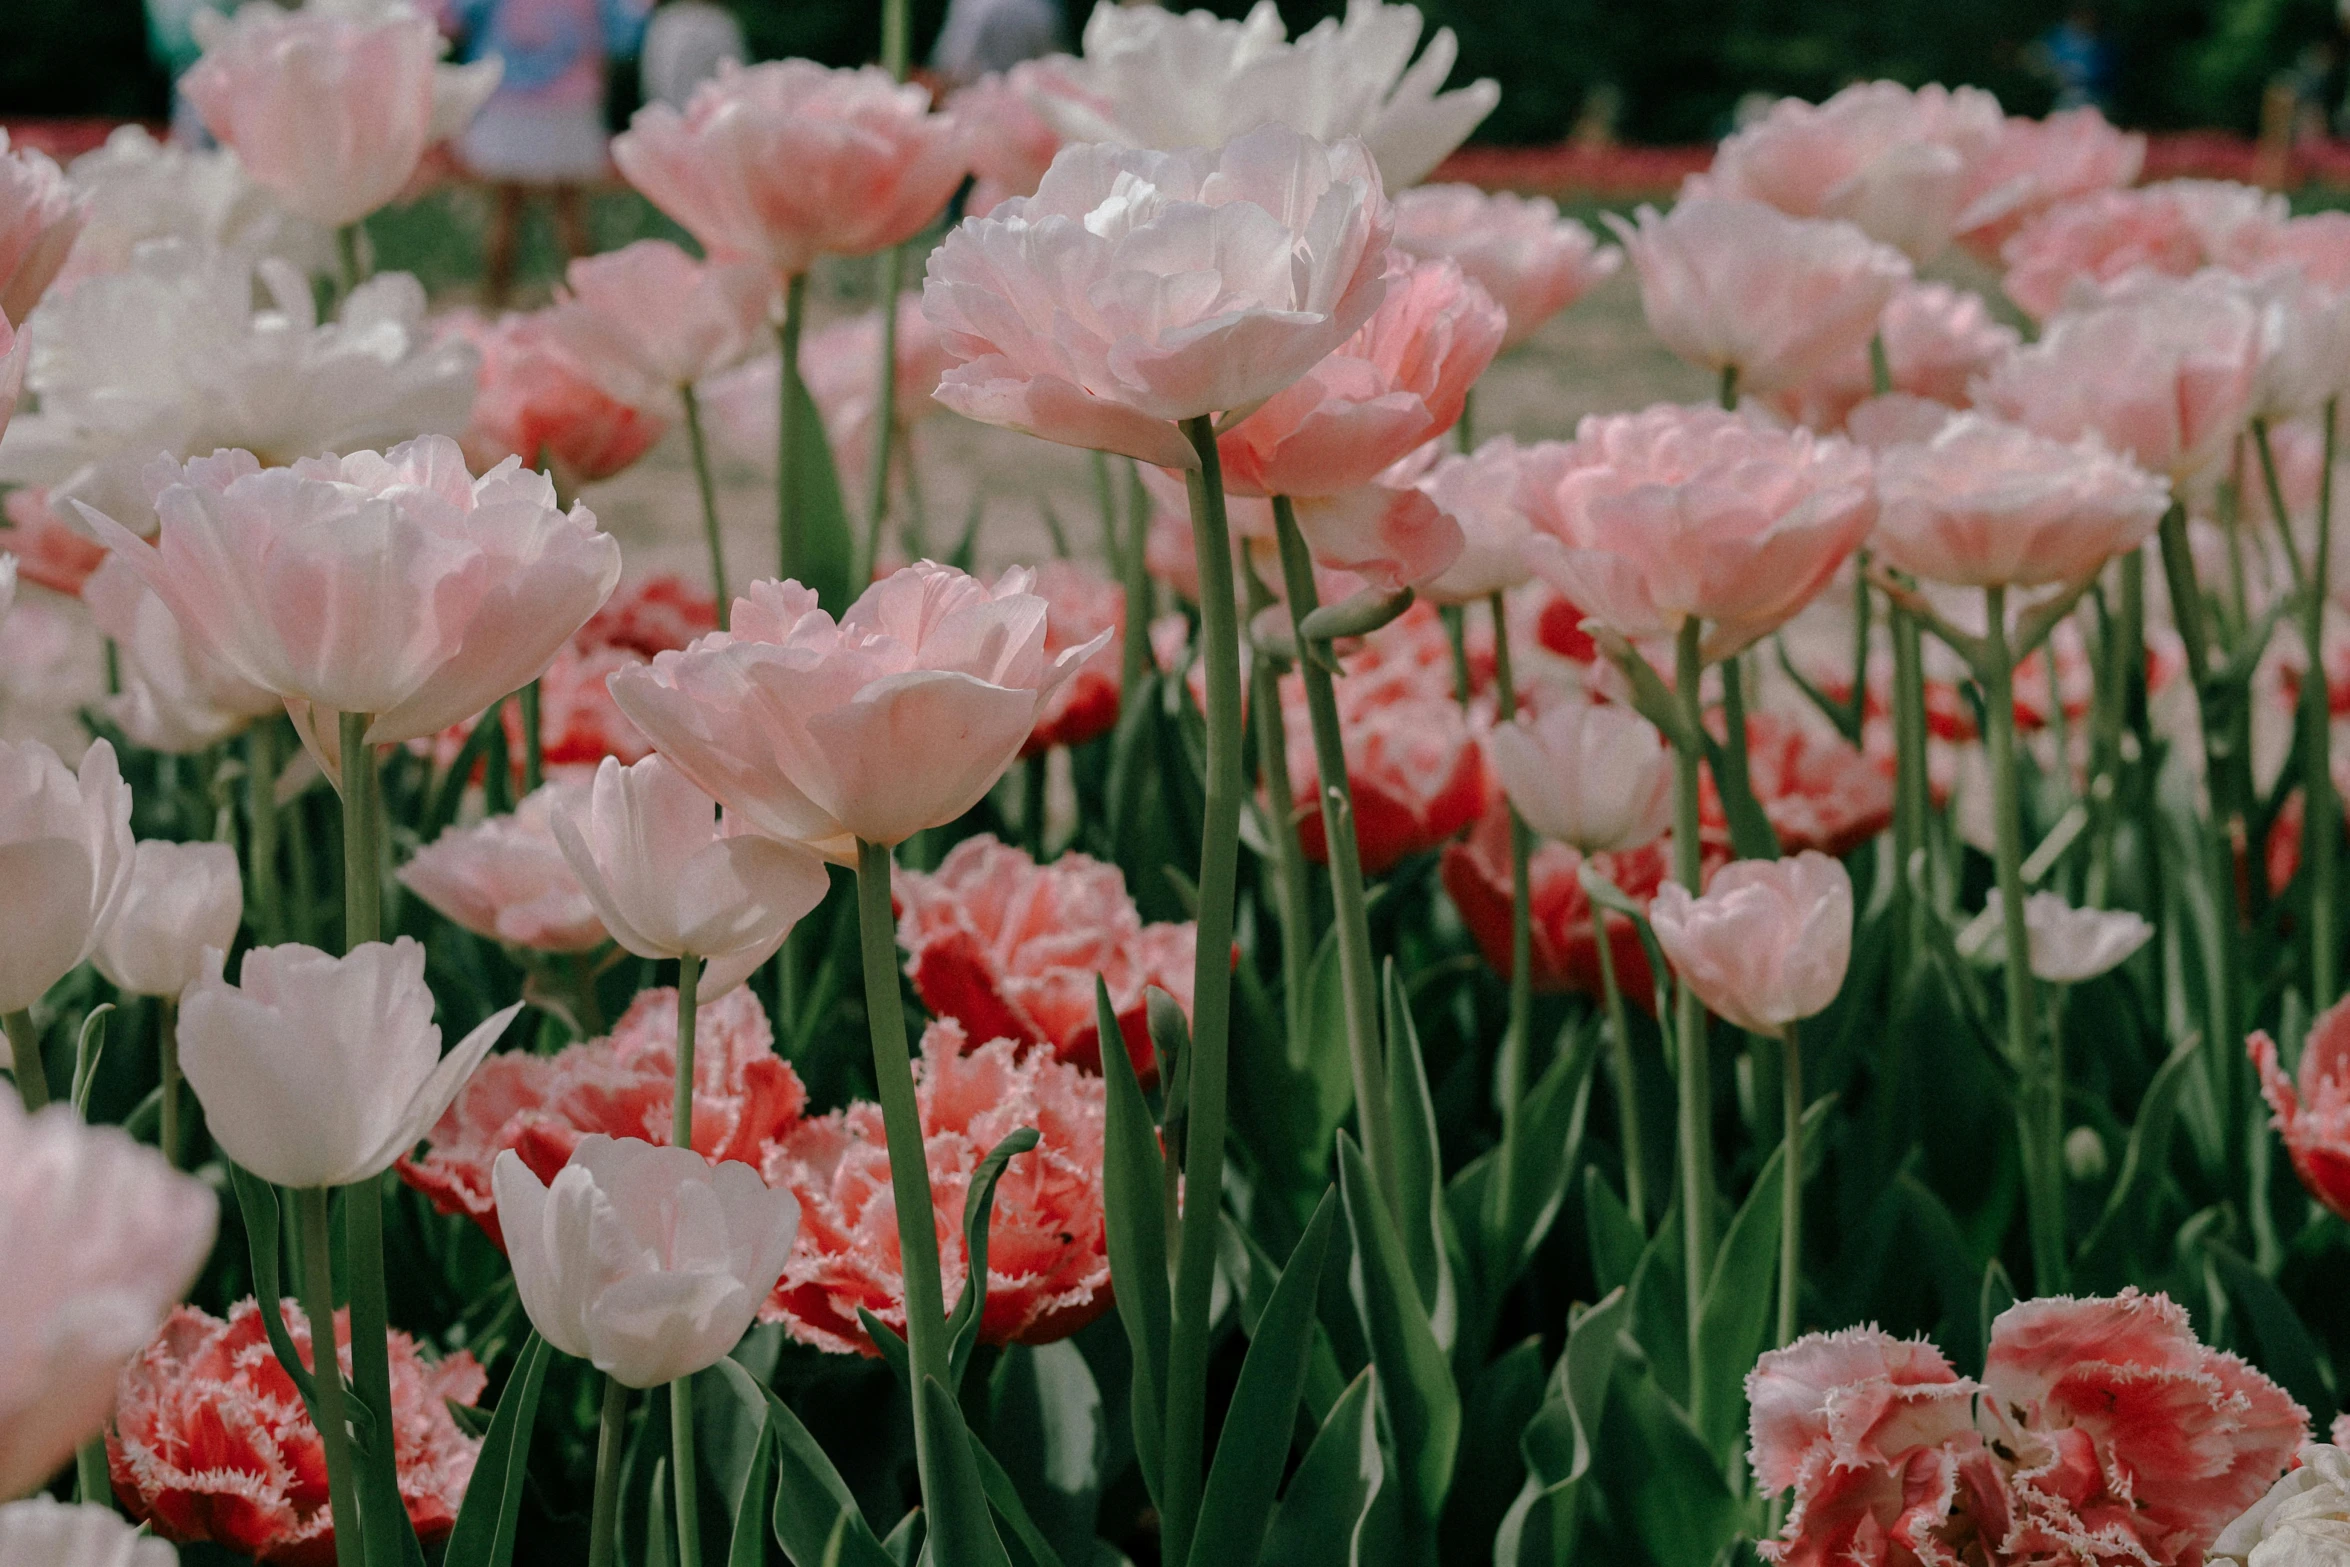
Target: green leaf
[747, 1545]
[2120, 1234]
[1004, 1497]
[810, 1495]
[1329, 1498]
[2286, 1351]
[88, 1047]
[257, 1199]
[1998, 1294]
[960, 1533]
[1132, 1176]
[1045, 1406]
[827, 544]
[1237, 1505]
[1662, 1484]
[484, 1535]
[451, 792]
[1419, 1168]
[1616, 1242]
[1751, 834]
[892, 1347]
[1423, 1406]
[978, 1213]
[1505, 1396]
[1561, 1441]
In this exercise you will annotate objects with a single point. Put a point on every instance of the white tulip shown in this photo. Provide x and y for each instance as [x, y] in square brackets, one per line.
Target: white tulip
[2303, 1521]
[2069, 945]
[1594, 776]
[44, 1532]
[182, 899]
[65, 858]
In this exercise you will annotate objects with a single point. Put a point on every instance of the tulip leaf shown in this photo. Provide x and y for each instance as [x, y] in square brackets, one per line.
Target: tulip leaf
[484, 1535]
[1329, 1500]
[978, 1211]
[257, 1199]
[892, 1347]
[811, 1499]
[1425, 1224]
[1237, 1505]
[88, 1047]
[748, 1543]
[660, 1534]
[1662, 1486]
[451, 793]
[1423, 1406]
[2286, 1351]
[1561, 1442]
[960, 1533]
[827, 545]
[1133, 1173]
[1004, 1497]
[2120, 1231]
[1044, 1403]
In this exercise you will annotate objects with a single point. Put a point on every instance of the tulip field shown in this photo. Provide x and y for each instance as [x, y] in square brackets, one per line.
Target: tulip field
[1760, 982]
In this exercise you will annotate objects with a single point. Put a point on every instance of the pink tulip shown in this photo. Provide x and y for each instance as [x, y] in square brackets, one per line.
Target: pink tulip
[648, 319]
[2312, 1116]
[16, 351]
[1850, 1401]
[671, 877]
[1893, 162]
[1985, 503]
[1396, 384]
[108, 1236]
[2174, 229]
[783, 162]
[1009, 143]
[66, 855]
[1533, 262]
[1649, 519]
[1737, 284]
[1768, 942]
[2165, 373]
[1083, 608]
[2317, 245]
[1595, 777]
[1390, 538]
[332, 111]
[395, 585]
[41, 215]
[505, 878]
[1479, 491]
[541, 403]
[899, 716]
[1938, 341]
[2036, 164]
[1136, 289]
[174, 697]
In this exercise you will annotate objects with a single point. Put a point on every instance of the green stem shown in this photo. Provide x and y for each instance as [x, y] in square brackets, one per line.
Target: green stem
[24, 1046]
[1619, 1032]
[1729, 388]
[261, 816]
[894, 36]
[1695, 1089]
[382, 1509]
[1790, 1185]
[1516, 1041]
[1466, 429]
[789, 549]
[1358, 971]
[1293, 896]
[708, 490]
[1203, 1201]
[885, 396]
[1880, 366]
[93, 1487]
[362, 867]
[167, 1053]
[348, 257]
[1135, 657]
[1913, 794]
[681, 1112]
[681, 1472]
[2321, 811]
[1032, 787]
[534, 741]
[611, 1443]
[1456, 633]
[313, 1217]
[2039, 1105]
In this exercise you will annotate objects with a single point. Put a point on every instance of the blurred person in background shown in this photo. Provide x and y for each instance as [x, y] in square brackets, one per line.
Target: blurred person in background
[980, 36]
[543, 130]
[171, 40]
[2076, 55]
[685, 43]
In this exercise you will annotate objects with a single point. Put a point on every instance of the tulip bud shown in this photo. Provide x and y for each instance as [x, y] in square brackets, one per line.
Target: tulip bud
[2084, 1154]
[1595, 777]
[181, 899]
[65, 858]
[1768, 943]
[649, 1262]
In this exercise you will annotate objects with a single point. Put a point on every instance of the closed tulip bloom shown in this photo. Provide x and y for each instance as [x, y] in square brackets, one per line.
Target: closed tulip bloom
[1649, 519]
[1479, 491]
[506, 878]
[1136, 289]
[1985, 503]
[897, 717]
[790, 160]
[41, 215]
[175, 697]
[44, 1532]
[647, 318]
[671, 876]
[1768, 943]
[1737, 284]
[320, 1071]
[99, 1237]
[2304, 345]
[2164, 371]
[395, 585]
[331, 110]
[648, 1262]
[1595, 777]
[2037, 164]
[65, 858]
[2069, 945]
[1532, 262]
[181, 899]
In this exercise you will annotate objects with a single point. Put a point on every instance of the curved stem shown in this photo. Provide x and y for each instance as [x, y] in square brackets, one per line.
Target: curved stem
[1791, 1186]
[681, 1111]
[1293, 897]
[788, 547]
[611, 1442]
[1358, 971]
[1695, 1087]
[24, 1048]
[312, 1216]
[708, 489]
[681, 1472]
[1619, 1032]
[1516, 1043]
[885, 396]
[1203, 1200]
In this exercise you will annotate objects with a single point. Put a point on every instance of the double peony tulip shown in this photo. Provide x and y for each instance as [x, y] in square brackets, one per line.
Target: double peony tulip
[506, 878]
[65, 859]
[175, 697]
[648, 1262]
[648, 319]
[1479, 491]
[41, 215]
[1768, 942]
[899, 716]
[181, 899]
[321, 1071]
[1532, 262]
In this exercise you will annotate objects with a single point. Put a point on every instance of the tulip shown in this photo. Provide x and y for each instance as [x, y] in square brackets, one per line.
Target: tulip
[397, 586]
[650, 319]
[2037, 164]
[507, 878]
[1985, 502]
[44, 1532]
[41, 215]
[1008, 143]
[2070, 255]
[317, 1071]
[839, 366]
[1479, 492]
[1159, 79]
[174, 697]
[7, 586]
[2313, 1116]
[2070, 945]
[1529, 260]
[1136, 290]
[1594, 776]
[2305, 346]
[670, 877]
[65, 857]
[103, 1236]
[1081, 606]
[649, 1262]
[331, 111]
[2305, 1517]
[1764, 300]
[180, 899]
[1937, 342]
[141, 188]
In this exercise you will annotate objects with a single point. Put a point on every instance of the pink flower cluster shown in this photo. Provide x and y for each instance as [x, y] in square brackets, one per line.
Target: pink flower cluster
[2100, 1432]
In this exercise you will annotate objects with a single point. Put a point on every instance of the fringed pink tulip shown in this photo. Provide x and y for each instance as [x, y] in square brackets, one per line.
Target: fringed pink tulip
[647, 319]
[1938, 342]
[2313, 1117]
[65, 857]
[1529, 260]
[1738, 285]
[41, 215]
[2038, 164]
[1137, 289]
[505, 878]
[1082, 606]
[783, 162]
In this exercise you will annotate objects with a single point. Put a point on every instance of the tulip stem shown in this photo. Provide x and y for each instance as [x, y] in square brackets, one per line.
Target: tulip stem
[1695, 1089]
[681, 1472]
[1134, 567]
[1358, 972]
[534, 741]
[1456, 632]
[1292, 892]
[788, 544]
[24, 1048]
[2318, 810]
[1619, 1031]
[382, 1509]
[1790, 1185]
[885, 398]
[313, 1218]
[1203, 1201]
[1913, 794]
[261, 816]
[611, 1444]
[167, 1055]
[681, 1111]
[92, 1486]
[699, 442]
[1728, 390]
[1515, 1042]
[362, 867]
[1033, 778]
